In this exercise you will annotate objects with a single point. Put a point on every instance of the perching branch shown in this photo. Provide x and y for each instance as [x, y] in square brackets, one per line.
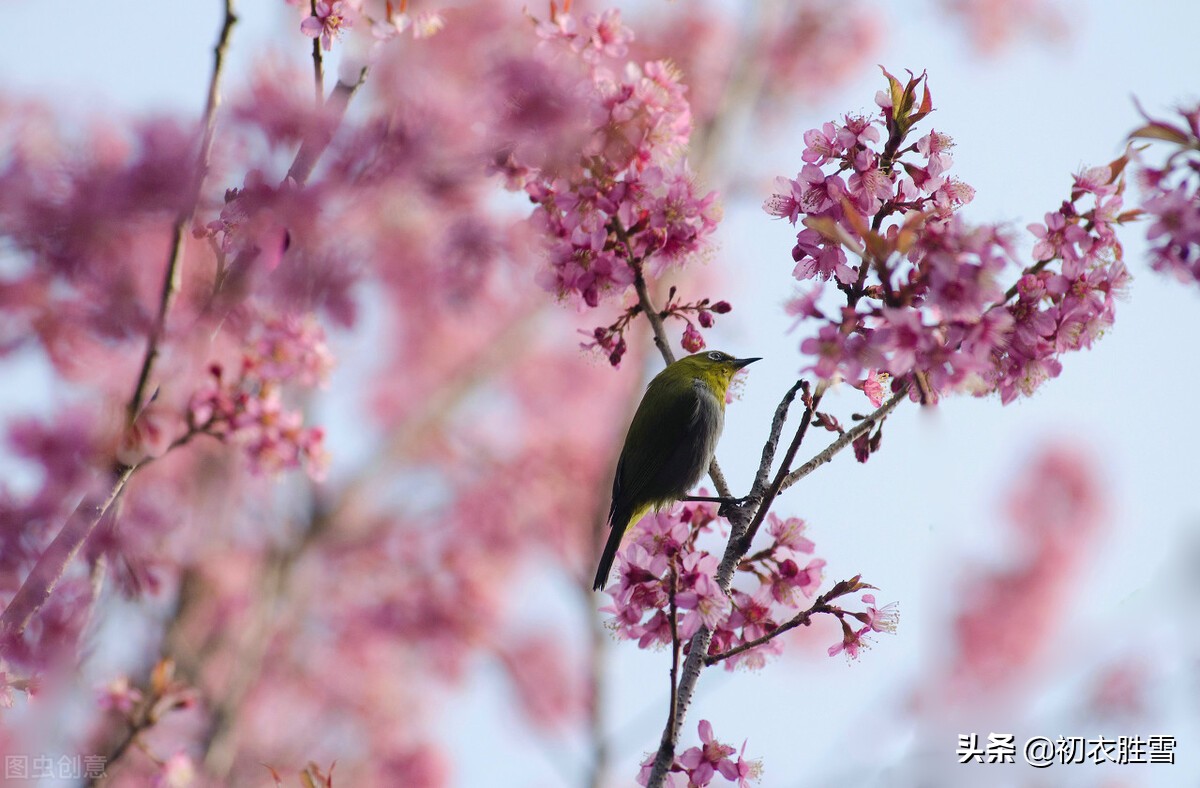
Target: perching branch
[672, 612]
[744, 521]
[772, 444]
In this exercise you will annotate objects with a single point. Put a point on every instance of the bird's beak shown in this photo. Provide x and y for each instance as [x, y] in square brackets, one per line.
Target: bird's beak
[738, 363]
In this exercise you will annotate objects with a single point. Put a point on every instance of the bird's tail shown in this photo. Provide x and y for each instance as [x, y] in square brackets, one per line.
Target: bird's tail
[618, 523]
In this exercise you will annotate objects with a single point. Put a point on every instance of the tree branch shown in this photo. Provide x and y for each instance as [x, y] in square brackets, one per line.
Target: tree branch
[174, 274]
[851, 435]
[318, 62]
[318, 140]
[797, 620]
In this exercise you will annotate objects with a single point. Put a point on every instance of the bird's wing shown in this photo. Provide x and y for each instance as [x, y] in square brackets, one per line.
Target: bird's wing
[656, 434]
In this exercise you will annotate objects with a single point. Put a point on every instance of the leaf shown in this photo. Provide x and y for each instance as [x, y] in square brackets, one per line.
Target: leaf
[1156, 130]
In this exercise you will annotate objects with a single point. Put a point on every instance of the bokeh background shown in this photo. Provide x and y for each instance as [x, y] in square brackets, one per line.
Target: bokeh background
[1102, 642]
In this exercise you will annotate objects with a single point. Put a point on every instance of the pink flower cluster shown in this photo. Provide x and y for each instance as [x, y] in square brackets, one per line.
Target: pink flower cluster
[330, 17]
[874, 619]
[629, 197]
[782, 578]
[922, 286]
[248, 410]
[1172, 201]
[696, 767]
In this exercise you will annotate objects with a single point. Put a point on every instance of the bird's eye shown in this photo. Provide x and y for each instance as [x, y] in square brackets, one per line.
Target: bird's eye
[716, 355]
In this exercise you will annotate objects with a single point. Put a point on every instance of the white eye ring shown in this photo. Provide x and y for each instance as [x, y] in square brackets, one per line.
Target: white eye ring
[716, 356]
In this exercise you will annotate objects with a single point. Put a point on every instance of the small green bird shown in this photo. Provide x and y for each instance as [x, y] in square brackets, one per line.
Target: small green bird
[670, 443]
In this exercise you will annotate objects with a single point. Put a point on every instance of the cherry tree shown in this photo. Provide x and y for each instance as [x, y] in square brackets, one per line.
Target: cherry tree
[342, 363]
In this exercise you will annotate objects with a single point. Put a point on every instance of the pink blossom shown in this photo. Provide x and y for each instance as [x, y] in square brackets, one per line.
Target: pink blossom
[706, 604]
[692, 341]
[607, 36]
[119, 695]
[822, 145]
[1056, 238]
[704, 761]
[882, 619]
[328, 21]
[789, 533]
[851, 642]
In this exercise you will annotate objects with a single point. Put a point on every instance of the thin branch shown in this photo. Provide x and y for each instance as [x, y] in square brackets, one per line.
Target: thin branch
[53, 561]
[318, 140]
[851, 435]
[173, 279]
[800, 619]
[772, 444]
[740, 546]
[318, 62]
[652, 314]
[136, 728]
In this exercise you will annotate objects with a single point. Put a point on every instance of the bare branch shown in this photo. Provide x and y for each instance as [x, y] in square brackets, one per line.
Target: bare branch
[772, 444]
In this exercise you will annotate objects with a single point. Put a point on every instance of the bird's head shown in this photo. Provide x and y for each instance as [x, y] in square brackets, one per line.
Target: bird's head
[714, 367]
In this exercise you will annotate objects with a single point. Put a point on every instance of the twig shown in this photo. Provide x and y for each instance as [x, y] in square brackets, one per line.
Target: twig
[318, 62]
[174, 274]
[772, 444]
[851, 435]
[318, 140]
[800, 619]
[652, 314]
[739, 547]
[136, 728]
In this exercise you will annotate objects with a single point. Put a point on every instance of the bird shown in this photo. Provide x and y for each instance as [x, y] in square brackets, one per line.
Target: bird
[670, 443]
